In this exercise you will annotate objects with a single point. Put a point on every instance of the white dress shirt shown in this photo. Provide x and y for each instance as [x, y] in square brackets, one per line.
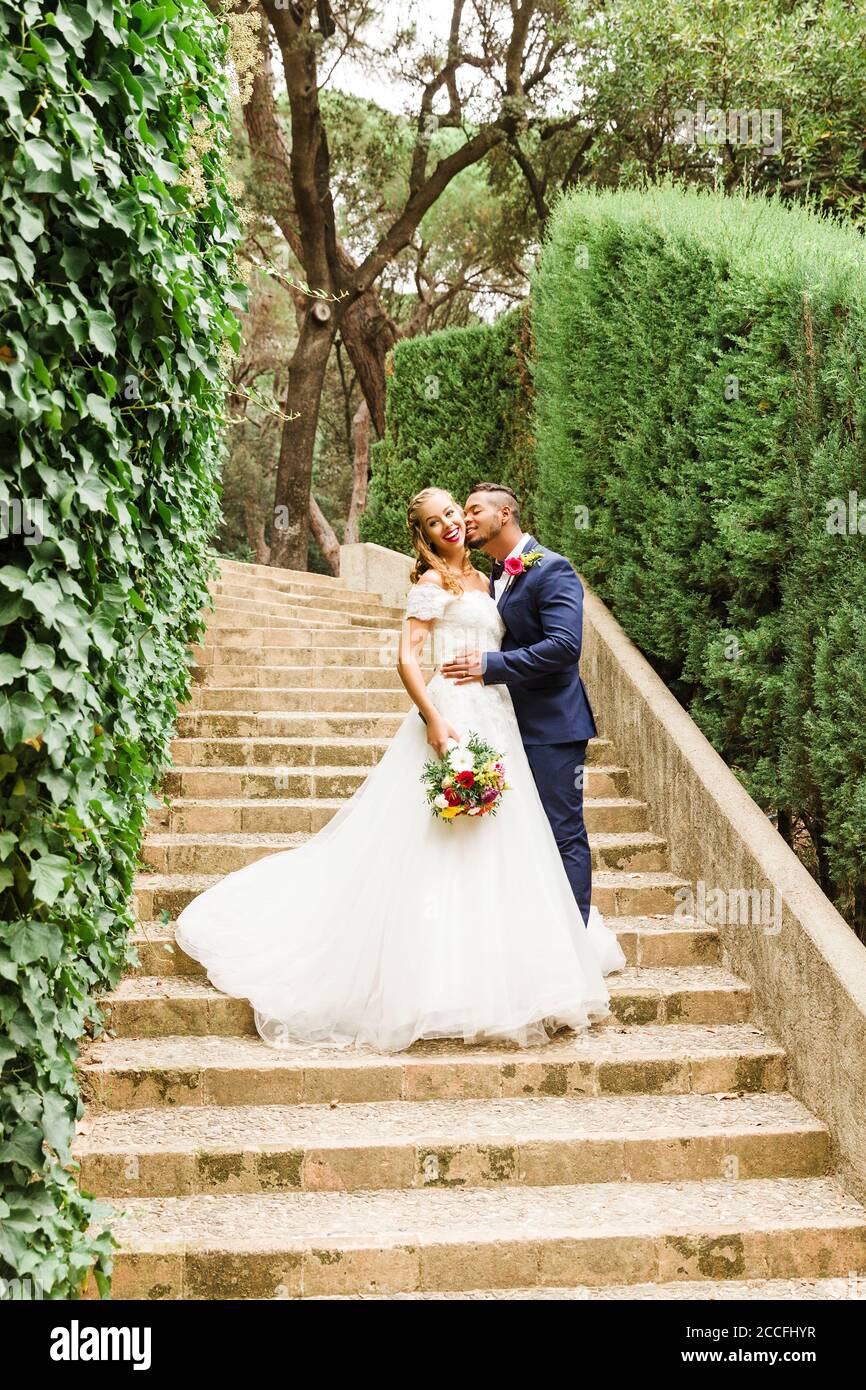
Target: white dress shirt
[500, 583]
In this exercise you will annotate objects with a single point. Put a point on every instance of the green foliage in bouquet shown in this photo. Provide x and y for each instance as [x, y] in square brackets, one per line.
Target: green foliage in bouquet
[116, 297]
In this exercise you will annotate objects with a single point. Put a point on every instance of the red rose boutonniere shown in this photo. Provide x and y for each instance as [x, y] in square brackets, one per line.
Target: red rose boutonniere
[516, 564]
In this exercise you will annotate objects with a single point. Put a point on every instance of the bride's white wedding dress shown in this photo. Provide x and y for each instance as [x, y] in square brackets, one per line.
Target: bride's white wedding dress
[391, 925]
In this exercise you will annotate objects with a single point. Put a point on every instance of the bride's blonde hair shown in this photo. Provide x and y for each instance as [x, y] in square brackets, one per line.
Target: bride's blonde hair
[426, 557]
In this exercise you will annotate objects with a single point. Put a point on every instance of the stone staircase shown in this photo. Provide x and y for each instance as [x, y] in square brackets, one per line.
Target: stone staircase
[657, 1156]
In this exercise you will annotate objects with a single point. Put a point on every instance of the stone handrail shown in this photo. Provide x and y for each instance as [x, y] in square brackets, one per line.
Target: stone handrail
[806, 967]
[372, 569]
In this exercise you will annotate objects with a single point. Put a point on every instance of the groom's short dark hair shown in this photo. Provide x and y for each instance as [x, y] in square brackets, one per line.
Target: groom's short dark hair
[507, 493]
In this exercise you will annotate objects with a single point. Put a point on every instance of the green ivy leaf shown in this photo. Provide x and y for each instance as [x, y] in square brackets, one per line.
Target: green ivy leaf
[32, 941]
[49, 873]
[10, 668]
[100, 409]
[24, 1146]
[57, 1126]
[97, 254]
[43, 155]
[102, 331]
[31, 224]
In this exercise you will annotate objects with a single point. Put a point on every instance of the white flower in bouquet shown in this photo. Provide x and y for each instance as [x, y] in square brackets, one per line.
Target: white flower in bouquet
[462, 759]
[468, 782]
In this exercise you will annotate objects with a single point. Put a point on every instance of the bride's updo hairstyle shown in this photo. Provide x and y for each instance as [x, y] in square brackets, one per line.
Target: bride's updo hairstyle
[426, 557]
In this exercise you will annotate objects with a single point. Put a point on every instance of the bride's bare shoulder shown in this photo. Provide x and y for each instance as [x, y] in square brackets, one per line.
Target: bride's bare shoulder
[431, 577]
[479, 581]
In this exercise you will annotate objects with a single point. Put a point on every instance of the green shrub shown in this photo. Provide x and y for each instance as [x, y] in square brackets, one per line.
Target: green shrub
[700, 393]
[458, 413]
[115, 295]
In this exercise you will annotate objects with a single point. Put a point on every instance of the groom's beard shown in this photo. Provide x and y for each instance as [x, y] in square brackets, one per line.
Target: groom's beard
[479, 542]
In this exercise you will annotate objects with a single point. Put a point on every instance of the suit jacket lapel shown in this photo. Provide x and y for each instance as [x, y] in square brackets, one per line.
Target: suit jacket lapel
[531, 544]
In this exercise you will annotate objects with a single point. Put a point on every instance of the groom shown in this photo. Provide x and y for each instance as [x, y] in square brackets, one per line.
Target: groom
[540, 601]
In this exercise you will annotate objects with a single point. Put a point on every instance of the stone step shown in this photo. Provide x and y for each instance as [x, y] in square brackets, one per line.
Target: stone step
[663, 1059]
[273, 574]
[244, 782]
[633, 893]
[615, 893]
[213, 854]
[299, 724]
[645, 941]
[286, 1245]
[342, 751]
[329, 637]
[292, 618]
[249, 598]
[249, 701]
[853, 1286]
[544, 1141]
[273, 598]
[299, 675]
[275, 652]
[223, 852]
[287, 814]
[148, 1006]
[248, 602]
[362, 741]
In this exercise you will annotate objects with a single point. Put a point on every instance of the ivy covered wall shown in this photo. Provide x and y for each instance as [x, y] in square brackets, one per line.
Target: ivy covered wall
[116, 298]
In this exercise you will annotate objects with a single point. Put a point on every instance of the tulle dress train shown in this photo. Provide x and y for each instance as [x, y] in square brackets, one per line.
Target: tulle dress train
[389, 926]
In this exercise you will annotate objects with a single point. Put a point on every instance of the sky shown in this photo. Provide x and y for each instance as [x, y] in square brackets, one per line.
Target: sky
[433, 18]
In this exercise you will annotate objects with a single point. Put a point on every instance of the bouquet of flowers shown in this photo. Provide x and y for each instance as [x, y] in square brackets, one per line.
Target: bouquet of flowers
[467, 781]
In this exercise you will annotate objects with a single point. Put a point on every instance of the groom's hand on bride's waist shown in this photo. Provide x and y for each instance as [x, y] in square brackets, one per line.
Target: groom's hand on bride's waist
[465, 668]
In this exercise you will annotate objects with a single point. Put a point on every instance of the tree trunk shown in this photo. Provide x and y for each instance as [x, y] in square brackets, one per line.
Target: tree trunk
[784, 826]
[361, 434]
[369, 333]
[325, 535]
[313, 238]
[290, 536]
[255, 529]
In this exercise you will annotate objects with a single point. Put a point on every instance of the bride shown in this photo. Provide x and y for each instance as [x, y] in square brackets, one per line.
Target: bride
[391, 925]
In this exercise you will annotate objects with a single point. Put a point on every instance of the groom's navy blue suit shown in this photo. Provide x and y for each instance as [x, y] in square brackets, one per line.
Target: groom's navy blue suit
[543, 614]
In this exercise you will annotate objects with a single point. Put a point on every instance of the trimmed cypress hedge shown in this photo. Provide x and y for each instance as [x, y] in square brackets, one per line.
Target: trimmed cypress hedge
[701, 425]
[458, 413]
[115, 301]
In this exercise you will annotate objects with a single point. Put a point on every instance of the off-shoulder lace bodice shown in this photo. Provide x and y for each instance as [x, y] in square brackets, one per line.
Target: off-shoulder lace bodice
[427, 602]
[463, 622]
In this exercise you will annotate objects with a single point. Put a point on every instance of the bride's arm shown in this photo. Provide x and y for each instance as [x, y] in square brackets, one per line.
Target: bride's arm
[412, 638]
